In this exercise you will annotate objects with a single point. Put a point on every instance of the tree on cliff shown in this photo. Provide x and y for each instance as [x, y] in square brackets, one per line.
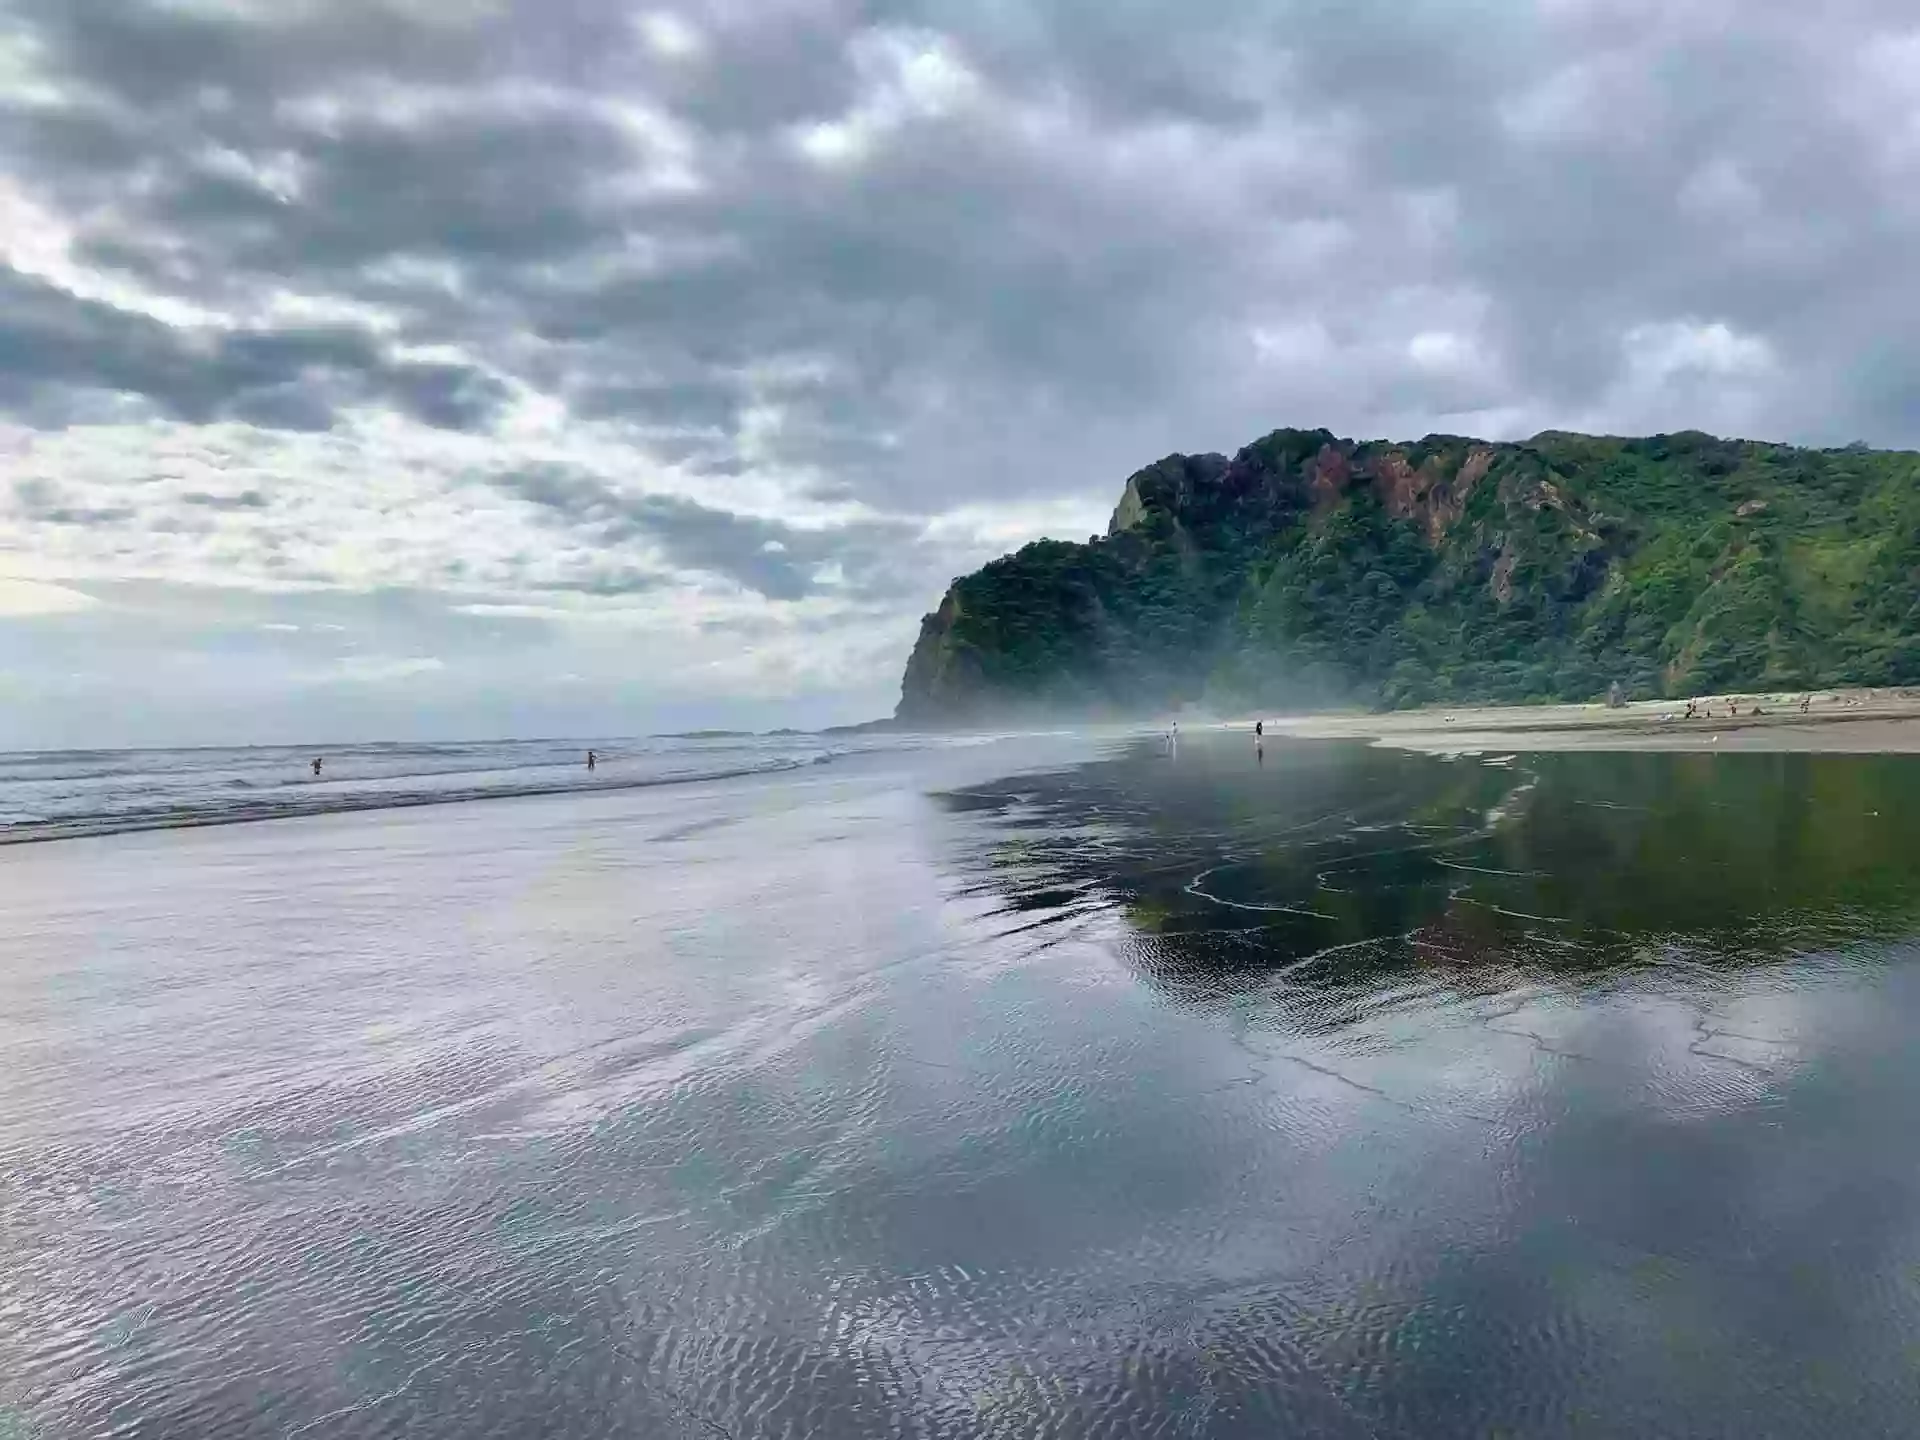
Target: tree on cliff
[1311, 570]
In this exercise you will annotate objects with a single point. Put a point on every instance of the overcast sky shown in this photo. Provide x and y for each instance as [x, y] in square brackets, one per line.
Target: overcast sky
[471, 367]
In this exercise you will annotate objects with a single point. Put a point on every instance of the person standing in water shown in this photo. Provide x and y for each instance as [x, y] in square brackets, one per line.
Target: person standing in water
[592, 760]
[316, 767]
[1260, 741]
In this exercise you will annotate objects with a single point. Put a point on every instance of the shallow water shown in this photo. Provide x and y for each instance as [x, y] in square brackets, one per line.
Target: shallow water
[57, 794]
[1347, 1093]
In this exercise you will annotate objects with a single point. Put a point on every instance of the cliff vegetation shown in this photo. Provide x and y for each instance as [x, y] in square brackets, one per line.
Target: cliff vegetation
[1310, 570]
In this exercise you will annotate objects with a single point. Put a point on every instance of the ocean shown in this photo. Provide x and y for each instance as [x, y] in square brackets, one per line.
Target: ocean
[53, 794]
[1025, 1085]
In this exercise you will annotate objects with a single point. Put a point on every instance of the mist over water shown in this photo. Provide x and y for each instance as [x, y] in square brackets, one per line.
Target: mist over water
[1040, 1087]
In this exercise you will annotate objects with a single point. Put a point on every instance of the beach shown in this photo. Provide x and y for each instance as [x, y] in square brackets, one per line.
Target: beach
[1032, 1085]
[1836, 721]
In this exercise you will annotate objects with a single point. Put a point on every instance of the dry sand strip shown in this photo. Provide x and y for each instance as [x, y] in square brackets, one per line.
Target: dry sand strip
[1840, 721]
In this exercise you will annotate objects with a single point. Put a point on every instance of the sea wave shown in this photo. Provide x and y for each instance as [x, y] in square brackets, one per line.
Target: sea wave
[53, 795]
[222, 806]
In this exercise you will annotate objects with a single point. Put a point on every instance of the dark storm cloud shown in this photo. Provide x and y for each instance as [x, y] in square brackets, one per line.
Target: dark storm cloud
[604, 582]
[242, 500]
[52, 341]
[779, 561]
[159, 55]
[480, 188]
[929, 313]
[922, 253]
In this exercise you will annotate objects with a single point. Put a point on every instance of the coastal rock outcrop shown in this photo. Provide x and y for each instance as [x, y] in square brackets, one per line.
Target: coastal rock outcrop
[1309, 569]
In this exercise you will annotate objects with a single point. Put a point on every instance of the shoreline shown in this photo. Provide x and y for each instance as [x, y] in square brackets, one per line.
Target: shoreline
[86, 827]
[1860, 722]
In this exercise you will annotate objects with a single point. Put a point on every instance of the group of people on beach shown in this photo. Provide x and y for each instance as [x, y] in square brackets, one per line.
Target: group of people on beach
[1703, 709]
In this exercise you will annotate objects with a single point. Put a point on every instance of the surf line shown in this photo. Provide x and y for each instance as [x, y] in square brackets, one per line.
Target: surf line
[1516, 914]
[1193, 889]
[1484, 869]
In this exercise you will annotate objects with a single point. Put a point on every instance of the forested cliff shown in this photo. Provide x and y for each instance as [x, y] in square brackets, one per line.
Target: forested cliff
[1310, 570]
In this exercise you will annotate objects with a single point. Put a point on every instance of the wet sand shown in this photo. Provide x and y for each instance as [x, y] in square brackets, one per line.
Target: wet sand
[1837, 721]
[1060, 1087]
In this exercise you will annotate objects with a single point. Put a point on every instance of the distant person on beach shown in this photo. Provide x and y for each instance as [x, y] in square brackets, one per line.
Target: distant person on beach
[592, 760]
[316, 767]
[1259, 730]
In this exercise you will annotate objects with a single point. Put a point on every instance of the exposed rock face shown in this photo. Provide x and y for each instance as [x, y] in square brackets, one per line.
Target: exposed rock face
[1502, 583]
[1176, 518]
[1430, 495]
[1329, 478]
[942, 682]
[1130, 511]
[1308, 568]
[1176, 486]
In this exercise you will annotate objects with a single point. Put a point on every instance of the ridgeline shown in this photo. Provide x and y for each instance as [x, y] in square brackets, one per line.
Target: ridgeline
[1310, 571]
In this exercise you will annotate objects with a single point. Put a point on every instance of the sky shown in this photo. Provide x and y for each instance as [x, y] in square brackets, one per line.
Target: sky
[463, 368]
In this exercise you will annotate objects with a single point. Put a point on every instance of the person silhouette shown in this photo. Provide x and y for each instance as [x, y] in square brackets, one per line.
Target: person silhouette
[316, 767]
[592, 760]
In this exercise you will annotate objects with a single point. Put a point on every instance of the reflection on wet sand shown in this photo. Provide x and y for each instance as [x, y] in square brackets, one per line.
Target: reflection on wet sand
[1340, 865]
[1349, 1094]
[1640, 1023]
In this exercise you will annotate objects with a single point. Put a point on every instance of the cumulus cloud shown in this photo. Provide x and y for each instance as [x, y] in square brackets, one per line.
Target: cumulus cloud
[64, 358]
[745, 327]
[766, 556]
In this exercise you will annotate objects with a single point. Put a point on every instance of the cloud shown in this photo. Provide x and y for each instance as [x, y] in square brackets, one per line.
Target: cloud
[378, 670]
[903, 77]
[249, 499]
[19, 598]
[63, 357]
[726, 319]
[768, 557]
[47, 504]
